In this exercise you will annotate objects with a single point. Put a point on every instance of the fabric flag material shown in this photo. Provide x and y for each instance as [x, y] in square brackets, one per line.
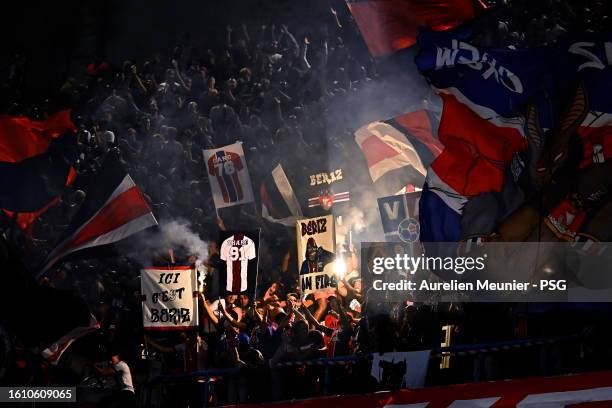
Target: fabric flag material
[26, 220]
[398, 151]
[228, 175]
[589, 390]
[279, 202]
[485, 93]
[239, 250]
[169, 302]
[497, 83]
[440, 209]
[476, 151]
[421, 128]
[591, 60]
[586, 61]
[391, 25]
[114, 209]
[35, 159]
[54, 352]
[400, 217]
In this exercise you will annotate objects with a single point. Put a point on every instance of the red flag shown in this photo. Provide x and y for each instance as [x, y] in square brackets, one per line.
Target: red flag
[391, 25]
[33, 164]
[23, 138]
[113, 209]
[476, 151]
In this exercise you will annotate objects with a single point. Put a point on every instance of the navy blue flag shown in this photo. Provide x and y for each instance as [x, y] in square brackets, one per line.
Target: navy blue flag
[501, 81]
[513, 96]
[400, 217]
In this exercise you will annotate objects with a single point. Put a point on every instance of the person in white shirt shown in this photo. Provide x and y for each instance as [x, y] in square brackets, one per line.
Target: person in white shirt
[125, 396]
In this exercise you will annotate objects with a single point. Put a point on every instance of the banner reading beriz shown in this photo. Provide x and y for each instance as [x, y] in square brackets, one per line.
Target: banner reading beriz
[169, 303]
[228, 175]
[316, 254]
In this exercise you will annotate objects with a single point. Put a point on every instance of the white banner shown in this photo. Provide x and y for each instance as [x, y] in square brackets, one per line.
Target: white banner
[316, 254]
[228, 175]
[168, 302]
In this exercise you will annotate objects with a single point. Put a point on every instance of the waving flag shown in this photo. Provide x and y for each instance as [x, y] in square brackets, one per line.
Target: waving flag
[591, 58]
[494, 101]
[589, 115]
[476, 151]
[279, 202]
[391, 25]
[399, 150]
[114, 209]
[440, 209]
[485, 95]
[54, 352]
[35, 160]
[421, 128]
[501, 80]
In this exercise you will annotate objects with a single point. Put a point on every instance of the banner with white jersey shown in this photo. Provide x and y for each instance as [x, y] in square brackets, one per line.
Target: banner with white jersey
[316, 254]
[168, 298]
[239, 250]
[228, 176]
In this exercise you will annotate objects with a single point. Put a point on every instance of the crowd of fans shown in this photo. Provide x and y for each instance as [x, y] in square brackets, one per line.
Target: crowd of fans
[272, 88]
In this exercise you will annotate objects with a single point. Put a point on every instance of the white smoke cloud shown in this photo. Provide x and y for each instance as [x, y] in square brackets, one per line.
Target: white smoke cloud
[178, 234]
[173, 234]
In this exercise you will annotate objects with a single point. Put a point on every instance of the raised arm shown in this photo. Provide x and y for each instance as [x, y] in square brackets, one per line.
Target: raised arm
[179, 76]
[209, 311]
[285, 32]
[232, 321]
[228, 35]
[303, 54]
[351, 289]
[104, 370]
[158, 346]
[311, 319]
[141, 85]
[335, 15]
[245, 34]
